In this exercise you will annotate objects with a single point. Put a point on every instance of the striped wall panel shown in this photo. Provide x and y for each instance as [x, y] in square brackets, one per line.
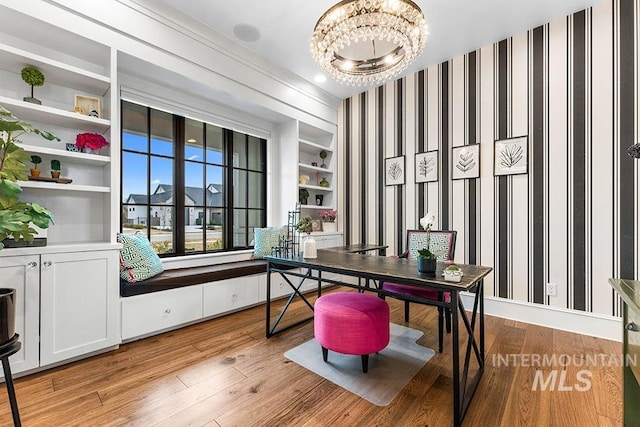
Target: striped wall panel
[571, 87]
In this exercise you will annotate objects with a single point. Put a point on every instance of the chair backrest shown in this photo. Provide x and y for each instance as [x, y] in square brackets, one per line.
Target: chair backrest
[442, 243]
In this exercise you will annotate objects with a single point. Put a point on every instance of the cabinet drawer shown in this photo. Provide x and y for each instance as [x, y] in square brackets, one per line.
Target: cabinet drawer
[232, 294]
[144, 314]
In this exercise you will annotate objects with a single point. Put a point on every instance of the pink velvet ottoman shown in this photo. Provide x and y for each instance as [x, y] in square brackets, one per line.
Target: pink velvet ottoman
[351, 323]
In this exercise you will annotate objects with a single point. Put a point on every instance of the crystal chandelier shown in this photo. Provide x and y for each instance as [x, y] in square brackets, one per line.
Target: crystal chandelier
[364, 42]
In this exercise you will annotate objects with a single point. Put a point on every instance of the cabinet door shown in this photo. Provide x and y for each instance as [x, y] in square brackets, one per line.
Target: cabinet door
[22, 273]
[79, 304]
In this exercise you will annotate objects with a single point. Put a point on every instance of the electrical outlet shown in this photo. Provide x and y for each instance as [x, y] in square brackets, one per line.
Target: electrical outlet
[552, 289]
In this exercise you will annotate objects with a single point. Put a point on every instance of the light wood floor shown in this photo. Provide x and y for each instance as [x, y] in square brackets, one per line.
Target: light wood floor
[224, 372]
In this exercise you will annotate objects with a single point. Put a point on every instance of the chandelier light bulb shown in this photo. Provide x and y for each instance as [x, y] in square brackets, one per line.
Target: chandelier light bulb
[365, 42]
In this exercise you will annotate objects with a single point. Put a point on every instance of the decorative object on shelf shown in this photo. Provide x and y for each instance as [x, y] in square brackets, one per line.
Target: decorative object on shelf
[323, 155]
[55, 168]
[33, 77]
[426, 258]
[452, 273]
[36, 160]
[303, 195]
[328, 219]
[465, 161]
[73, 147]
[314, 164]
[394, 170]
[426, 167]
[316, 225]
[305, 225]
[324, 183]
[90, 142]
[366, 42]
[47, 179]
[319, 199]
[510, 156]
[16, 217]
[87, 105]
[304, 179]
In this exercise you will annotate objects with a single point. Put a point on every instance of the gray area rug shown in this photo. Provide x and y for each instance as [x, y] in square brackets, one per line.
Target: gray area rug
[389, 371]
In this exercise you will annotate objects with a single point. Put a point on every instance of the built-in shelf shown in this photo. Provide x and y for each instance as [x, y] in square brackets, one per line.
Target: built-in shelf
[64, 187]
[324, 208]
[306, 166]
[309, 146]
[316, 187]
[53, 116]
[13, 59]
[69, 156]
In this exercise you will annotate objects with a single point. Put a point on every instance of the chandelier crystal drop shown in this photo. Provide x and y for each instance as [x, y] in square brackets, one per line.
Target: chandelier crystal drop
[366, 42]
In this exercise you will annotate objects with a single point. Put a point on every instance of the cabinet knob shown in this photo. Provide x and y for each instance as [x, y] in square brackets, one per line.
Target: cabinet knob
[47, 263]
[168, 311]
[234, 296]
[632, 327]
[32, 264]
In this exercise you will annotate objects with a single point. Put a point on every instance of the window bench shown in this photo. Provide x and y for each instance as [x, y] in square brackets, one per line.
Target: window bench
[183, 296]
[180, 277]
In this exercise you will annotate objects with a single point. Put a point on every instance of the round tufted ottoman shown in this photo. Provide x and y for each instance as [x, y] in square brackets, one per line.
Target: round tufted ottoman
[351, 323]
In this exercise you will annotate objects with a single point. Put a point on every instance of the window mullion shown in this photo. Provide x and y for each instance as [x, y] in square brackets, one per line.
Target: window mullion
[178, 184]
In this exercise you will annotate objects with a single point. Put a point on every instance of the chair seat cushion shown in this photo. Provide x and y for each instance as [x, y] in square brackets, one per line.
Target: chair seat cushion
[414, 291]
[351, 323]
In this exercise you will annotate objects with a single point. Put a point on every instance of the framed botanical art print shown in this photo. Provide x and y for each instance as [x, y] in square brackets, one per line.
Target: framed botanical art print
[426, 166]
[394, 170]
[510, 156]
[465, 162]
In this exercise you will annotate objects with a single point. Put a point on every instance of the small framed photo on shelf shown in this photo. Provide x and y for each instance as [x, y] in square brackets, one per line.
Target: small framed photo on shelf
[73, 147]
[394, 170]
[88, 106]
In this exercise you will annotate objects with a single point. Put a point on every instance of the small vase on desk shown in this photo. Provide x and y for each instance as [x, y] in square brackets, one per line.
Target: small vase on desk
[310, 250]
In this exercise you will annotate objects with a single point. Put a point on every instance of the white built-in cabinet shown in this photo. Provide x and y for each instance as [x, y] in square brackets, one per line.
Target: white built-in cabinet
[66, 304]
[67, 291]
[311, 142]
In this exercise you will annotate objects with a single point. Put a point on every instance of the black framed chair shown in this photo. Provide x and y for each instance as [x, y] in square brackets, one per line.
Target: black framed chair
[443, 244]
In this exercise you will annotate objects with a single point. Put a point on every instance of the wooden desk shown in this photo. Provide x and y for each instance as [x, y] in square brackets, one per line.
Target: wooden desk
[397, 270]
[629, 290]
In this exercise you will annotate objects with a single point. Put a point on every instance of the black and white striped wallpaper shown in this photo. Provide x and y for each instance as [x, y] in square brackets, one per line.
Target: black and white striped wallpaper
[571, 87]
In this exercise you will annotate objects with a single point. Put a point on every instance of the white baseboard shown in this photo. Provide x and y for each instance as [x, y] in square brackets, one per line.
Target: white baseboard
[580, 322]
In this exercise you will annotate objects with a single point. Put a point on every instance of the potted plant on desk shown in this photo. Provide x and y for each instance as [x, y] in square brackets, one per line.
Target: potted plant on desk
[426, 258]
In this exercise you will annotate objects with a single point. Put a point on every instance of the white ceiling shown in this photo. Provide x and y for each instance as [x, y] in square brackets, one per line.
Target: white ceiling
[455, 27]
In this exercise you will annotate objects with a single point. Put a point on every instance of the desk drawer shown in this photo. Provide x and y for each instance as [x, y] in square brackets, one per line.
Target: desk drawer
[148, 313]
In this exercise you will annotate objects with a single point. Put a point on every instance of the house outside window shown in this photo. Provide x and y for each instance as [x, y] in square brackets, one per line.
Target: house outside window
[175, 176]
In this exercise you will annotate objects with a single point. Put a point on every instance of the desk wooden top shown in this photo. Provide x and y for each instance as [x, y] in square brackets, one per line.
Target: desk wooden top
[385, 269]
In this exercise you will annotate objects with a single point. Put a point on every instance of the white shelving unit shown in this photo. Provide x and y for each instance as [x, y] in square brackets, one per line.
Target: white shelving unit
[68, 289]
[311, 142]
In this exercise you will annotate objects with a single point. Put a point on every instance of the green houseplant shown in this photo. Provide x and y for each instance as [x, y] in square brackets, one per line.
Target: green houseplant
[55, 168]
[303, 195]
[17, 217]
[36, 160]
[33, 77]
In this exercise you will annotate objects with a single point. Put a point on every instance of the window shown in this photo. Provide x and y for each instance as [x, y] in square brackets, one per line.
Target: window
[191, 187]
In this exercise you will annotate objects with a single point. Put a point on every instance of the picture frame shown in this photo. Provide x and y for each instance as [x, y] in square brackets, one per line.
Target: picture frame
[465, 162]
[87, 105]
[426, 165]
[511, 156]
[394, 171]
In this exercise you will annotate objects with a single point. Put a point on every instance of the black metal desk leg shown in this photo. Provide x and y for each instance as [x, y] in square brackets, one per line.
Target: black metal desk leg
[457, 403]
[11, 391]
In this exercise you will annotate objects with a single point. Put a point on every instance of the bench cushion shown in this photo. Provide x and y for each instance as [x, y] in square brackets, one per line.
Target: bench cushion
[170, 279]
